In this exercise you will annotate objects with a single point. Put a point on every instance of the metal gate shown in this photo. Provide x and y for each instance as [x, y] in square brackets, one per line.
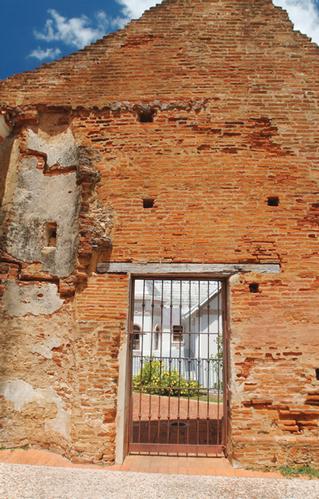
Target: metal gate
[177, 350]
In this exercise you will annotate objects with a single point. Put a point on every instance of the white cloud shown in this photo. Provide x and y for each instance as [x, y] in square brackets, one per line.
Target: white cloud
[135, 8]
[75, 32]
[42, 54]
[304, 14]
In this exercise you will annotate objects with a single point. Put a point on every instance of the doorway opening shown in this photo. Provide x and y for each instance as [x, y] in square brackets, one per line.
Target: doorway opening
[178, 396]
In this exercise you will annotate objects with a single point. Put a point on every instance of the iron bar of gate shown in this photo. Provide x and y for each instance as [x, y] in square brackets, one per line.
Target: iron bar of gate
[208, 365]
[218, 365]
[225, 363]
[141, 341]
[130, 340]
[151, 363]
[179, 362]
[161, 354]
[148, 331]
[189, 361]
[210, 450]
[198, 364]
[170, 358]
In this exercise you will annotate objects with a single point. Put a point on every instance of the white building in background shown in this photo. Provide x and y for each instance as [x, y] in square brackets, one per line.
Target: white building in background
[180, 323]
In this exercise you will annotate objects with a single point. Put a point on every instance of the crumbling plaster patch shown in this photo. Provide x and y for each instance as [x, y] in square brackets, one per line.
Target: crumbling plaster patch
[45, 348]
[35, 299]
[39, 199]
[236, 388]
[59, 149]
[20, 393]
[4, 128]
[9, 154]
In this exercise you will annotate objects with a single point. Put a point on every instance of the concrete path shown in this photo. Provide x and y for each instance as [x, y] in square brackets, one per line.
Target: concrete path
[165, 465]
[41, 482]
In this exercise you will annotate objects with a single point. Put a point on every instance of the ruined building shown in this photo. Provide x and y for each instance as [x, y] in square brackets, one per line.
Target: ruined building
[174, 158]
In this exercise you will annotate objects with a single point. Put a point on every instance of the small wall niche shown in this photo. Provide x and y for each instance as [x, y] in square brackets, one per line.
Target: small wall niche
[51, 234]
[317, 373]
[148, 203]
[146, 115]
[273, 201]
[254, 287]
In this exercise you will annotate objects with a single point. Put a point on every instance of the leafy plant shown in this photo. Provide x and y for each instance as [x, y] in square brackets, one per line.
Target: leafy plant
[293, 471]
[155, 380]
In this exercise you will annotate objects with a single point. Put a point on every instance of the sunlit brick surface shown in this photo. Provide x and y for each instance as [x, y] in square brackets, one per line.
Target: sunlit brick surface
[234, 93]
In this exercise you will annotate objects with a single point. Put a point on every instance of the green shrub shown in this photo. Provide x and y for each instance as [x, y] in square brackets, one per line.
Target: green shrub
[295, 471]
[153, 379]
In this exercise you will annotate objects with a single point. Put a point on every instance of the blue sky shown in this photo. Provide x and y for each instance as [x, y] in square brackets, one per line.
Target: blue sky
[37, 31]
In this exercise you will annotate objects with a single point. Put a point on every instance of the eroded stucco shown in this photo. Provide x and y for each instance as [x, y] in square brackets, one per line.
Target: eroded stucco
[21, 393]
[45, 348]
[29, 298]
[38, 200]
[4, 128]
[60, 149]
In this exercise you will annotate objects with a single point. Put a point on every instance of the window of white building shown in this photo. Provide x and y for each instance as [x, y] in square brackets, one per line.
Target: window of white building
[136, 337]
[157, 333]
[178, 336]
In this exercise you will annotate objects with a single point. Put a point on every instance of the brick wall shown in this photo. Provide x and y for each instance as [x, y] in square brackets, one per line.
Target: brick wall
[233, 92]
[244, 49]
[101, 312]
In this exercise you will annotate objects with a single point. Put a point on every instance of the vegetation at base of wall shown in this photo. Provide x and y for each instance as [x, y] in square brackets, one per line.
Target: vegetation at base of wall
[295, 471]
[155, 380]
[19, 447]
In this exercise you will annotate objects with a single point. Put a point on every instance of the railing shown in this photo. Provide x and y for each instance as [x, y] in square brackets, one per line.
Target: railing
[207, 372]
